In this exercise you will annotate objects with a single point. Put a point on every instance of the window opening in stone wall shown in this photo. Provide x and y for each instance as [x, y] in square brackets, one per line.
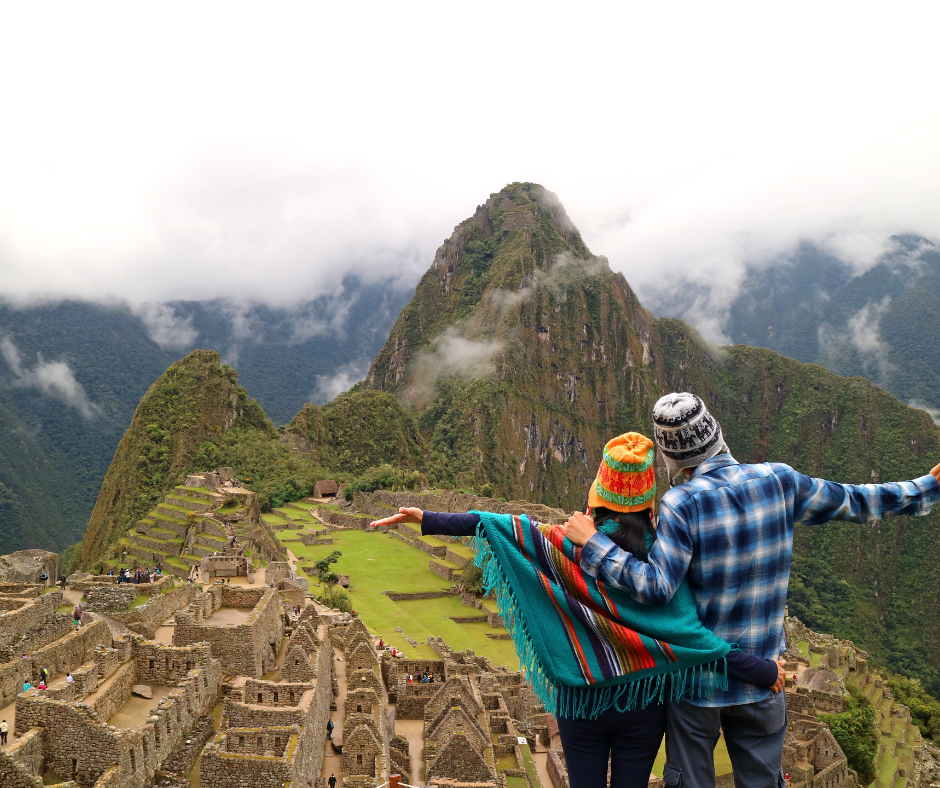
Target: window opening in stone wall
[260, 743]
[277, 742]
[291, 696]
[151, 664]
[260, 698]
[74, 767]
[359, 760]
[358, 708]
[156, 733]
[241, 741]
[275, 697]
[133, 761]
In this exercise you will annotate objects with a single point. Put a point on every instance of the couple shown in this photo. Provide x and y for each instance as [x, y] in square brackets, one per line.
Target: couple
[629, 629]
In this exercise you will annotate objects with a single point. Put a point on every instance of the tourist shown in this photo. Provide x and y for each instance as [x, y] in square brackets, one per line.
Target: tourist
[62, 580]
[77, 616]
[42, 685]
[409, 678]
[153, 577]
[43, 577]
[3, 732]
[44, 674]
[27, 685]
[332, 781]
[728, 530]
[598, 660]
[68, 678]
[329, 729]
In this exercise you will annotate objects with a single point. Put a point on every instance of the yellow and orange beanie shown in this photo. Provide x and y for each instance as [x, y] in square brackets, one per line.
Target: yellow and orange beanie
[626, 480]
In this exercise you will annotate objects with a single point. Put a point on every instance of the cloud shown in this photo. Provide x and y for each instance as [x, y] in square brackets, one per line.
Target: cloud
[275, 174]
[53, 378]
[329, 387]
[165, 327]
[863, 332]
[450, 355]
[324, 317]
[934, 413]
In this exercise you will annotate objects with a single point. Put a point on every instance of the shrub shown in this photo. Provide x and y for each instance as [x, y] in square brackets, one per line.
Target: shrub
[855, 731]
[335, 597]
[472, 581]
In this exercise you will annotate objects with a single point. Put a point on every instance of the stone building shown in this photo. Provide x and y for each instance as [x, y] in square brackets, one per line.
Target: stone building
[249, 648]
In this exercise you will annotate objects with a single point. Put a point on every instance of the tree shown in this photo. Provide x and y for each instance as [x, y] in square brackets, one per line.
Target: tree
[324, 573]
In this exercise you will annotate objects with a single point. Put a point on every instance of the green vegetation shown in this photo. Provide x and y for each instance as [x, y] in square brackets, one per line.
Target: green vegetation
[377, 562]
[854, 729]
[925, 710]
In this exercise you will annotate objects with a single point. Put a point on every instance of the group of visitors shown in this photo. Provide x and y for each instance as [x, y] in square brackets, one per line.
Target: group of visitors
[139, 575]
[425, 677]
[636, 626]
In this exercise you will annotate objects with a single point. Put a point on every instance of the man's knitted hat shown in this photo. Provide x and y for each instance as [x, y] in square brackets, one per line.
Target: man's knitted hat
[626, 480]
[686, 433]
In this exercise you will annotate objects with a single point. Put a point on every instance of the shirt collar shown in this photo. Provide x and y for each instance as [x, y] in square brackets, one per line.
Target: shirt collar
[718, 461]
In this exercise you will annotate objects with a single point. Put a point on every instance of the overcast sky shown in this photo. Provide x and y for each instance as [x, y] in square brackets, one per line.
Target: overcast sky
[196, 150]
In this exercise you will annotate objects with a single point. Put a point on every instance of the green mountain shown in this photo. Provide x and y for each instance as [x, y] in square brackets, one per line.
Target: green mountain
[72, 373]
[812, 307]
[521, 353]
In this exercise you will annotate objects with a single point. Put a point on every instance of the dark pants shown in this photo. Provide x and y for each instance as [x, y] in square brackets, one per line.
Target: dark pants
[630, 739]
[3, 738]
[753, 733]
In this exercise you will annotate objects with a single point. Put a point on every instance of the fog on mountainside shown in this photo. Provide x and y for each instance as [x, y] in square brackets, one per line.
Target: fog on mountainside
[72, 373]
[812, 306]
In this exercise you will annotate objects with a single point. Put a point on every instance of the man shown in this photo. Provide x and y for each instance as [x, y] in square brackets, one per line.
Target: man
[329, 729]
[332, 781]
[729, 530]
[4, 729]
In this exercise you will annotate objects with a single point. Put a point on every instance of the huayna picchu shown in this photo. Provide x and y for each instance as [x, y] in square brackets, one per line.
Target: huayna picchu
[229, 600]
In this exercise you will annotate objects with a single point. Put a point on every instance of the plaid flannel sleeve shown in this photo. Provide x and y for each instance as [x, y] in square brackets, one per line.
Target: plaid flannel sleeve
[819, 501]
[654, 581]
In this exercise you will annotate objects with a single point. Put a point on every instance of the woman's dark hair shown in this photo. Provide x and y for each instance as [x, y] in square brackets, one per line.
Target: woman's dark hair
[631, 535]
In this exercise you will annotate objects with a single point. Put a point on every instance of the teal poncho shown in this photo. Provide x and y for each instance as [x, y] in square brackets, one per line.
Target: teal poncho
[585, 646]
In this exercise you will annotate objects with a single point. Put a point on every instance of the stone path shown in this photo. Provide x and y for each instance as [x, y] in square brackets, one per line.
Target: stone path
[332, 760]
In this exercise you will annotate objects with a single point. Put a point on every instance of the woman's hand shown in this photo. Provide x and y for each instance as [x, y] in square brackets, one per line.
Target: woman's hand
[406, 514]
[579, 529]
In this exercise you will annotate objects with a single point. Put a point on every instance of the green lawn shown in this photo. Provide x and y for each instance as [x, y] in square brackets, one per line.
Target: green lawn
[397, 567]
[722, 761]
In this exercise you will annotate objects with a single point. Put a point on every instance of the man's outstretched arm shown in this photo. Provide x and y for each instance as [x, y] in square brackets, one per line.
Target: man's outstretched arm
[819, 501]
[652, 582]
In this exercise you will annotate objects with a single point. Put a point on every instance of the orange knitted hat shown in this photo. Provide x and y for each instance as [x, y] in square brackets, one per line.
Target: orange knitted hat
[626, 480]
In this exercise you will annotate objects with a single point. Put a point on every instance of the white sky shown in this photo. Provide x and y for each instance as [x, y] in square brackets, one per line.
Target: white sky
[196, 150]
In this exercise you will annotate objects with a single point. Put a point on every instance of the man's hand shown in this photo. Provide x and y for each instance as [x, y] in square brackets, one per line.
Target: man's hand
[781, 677]
[407, 514]
[579, 529]
[935, 472]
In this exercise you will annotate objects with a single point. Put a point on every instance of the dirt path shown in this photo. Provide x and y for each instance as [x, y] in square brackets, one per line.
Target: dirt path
[332, 760]
[413, 731]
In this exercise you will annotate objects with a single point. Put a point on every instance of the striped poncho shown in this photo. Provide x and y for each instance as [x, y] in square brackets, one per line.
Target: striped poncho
[587, 647]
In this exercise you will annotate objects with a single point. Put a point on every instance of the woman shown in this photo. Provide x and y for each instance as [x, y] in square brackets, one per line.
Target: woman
[601, 663]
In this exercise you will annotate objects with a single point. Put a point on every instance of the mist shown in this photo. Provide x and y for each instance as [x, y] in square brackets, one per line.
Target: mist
[249, 166]
[51, 378]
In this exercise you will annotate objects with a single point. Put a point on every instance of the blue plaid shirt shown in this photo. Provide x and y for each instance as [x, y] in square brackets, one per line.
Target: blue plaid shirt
[729, 530]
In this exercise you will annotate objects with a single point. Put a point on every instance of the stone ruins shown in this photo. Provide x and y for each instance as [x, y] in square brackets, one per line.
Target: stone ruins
[243, 679]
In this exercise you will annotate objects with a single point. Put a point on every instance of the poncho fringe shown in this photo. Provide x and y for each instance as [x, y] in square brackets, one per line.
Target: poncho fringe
[589, 701]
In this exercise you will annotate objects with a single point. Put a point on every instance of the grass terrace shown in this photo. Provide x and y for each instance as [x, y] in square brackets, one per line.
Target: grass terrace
[377, 562]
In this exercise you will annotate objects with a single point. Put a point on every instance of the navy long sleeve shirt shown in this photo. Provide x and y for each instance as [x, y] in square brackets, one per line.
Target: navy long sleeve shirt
[741, 666]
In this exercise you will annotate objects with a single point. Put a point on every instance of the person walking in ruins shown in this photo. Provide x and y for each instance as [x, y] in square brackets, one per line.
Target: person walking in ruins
[68, 678]
[4, 729]
[44, 674]
[329, 729]
[603, 664]
[332, 781]
[728, 533]
[77, 616]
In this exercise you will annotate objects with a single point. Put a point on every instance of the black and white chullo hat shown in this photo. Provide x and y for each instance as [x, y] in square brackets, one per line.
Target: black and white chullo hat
[686, 433]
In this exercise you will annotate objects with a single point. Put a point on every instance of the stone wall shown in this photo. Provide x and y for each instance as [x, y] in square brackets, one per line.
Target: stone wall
[147, 617]
[231, 760]
[85, 748]
[403, 596]
[101, 598]
[310, 539]
[243, 650]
